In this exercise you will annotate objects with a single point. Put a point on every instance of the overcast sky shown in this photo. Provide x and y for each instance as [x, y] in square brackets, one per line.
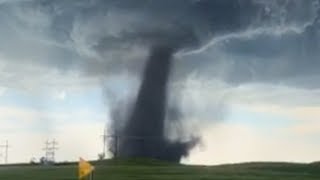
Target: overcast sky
[246, 78]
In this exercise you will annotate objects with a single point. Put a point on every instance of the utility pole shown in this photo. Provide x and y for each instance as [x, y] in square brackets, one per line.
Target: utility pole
[6, 151]
[50, 148]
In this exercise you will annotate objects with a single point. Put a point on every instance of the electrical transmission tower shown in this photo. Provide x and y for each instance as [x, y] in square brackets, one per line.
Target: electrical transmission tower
[50, 149]
[104, 137]
[118, 138]
[6, 151]
[115, 138]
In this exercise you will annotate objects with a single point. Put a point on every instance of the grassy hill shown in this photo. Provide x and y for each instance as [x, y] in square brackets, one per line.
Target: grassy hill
[151, 169]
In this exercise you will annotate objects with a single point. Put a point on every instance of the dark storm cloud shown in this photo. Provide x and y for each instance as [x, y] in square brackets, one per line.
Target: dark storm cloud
[82, 30]
[280, 58]
[282, 49]
[96, 35]
[105, 37]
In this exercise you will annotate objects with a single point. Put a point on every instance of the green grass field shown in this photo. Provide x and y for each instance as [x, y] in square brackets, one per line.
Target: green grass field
[151, 169]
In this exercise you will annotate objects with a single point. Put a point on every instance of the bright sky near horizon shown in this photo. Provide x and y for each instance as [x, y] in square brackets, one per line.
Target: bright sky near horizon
[252, 94]
[251, 131]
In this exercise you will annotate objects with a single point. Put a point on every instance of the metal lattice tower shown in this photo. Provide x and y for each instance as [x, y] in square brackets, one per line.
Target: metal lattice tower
[50, 149]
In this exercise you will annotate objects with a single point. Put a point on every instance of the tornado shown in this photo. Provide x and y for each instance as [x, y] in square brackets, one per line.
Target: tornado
[144, 133]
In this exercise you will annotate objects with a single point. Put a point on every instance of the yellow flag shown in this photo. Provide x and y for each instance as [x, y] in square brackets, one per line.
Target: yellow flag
[85, 168]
